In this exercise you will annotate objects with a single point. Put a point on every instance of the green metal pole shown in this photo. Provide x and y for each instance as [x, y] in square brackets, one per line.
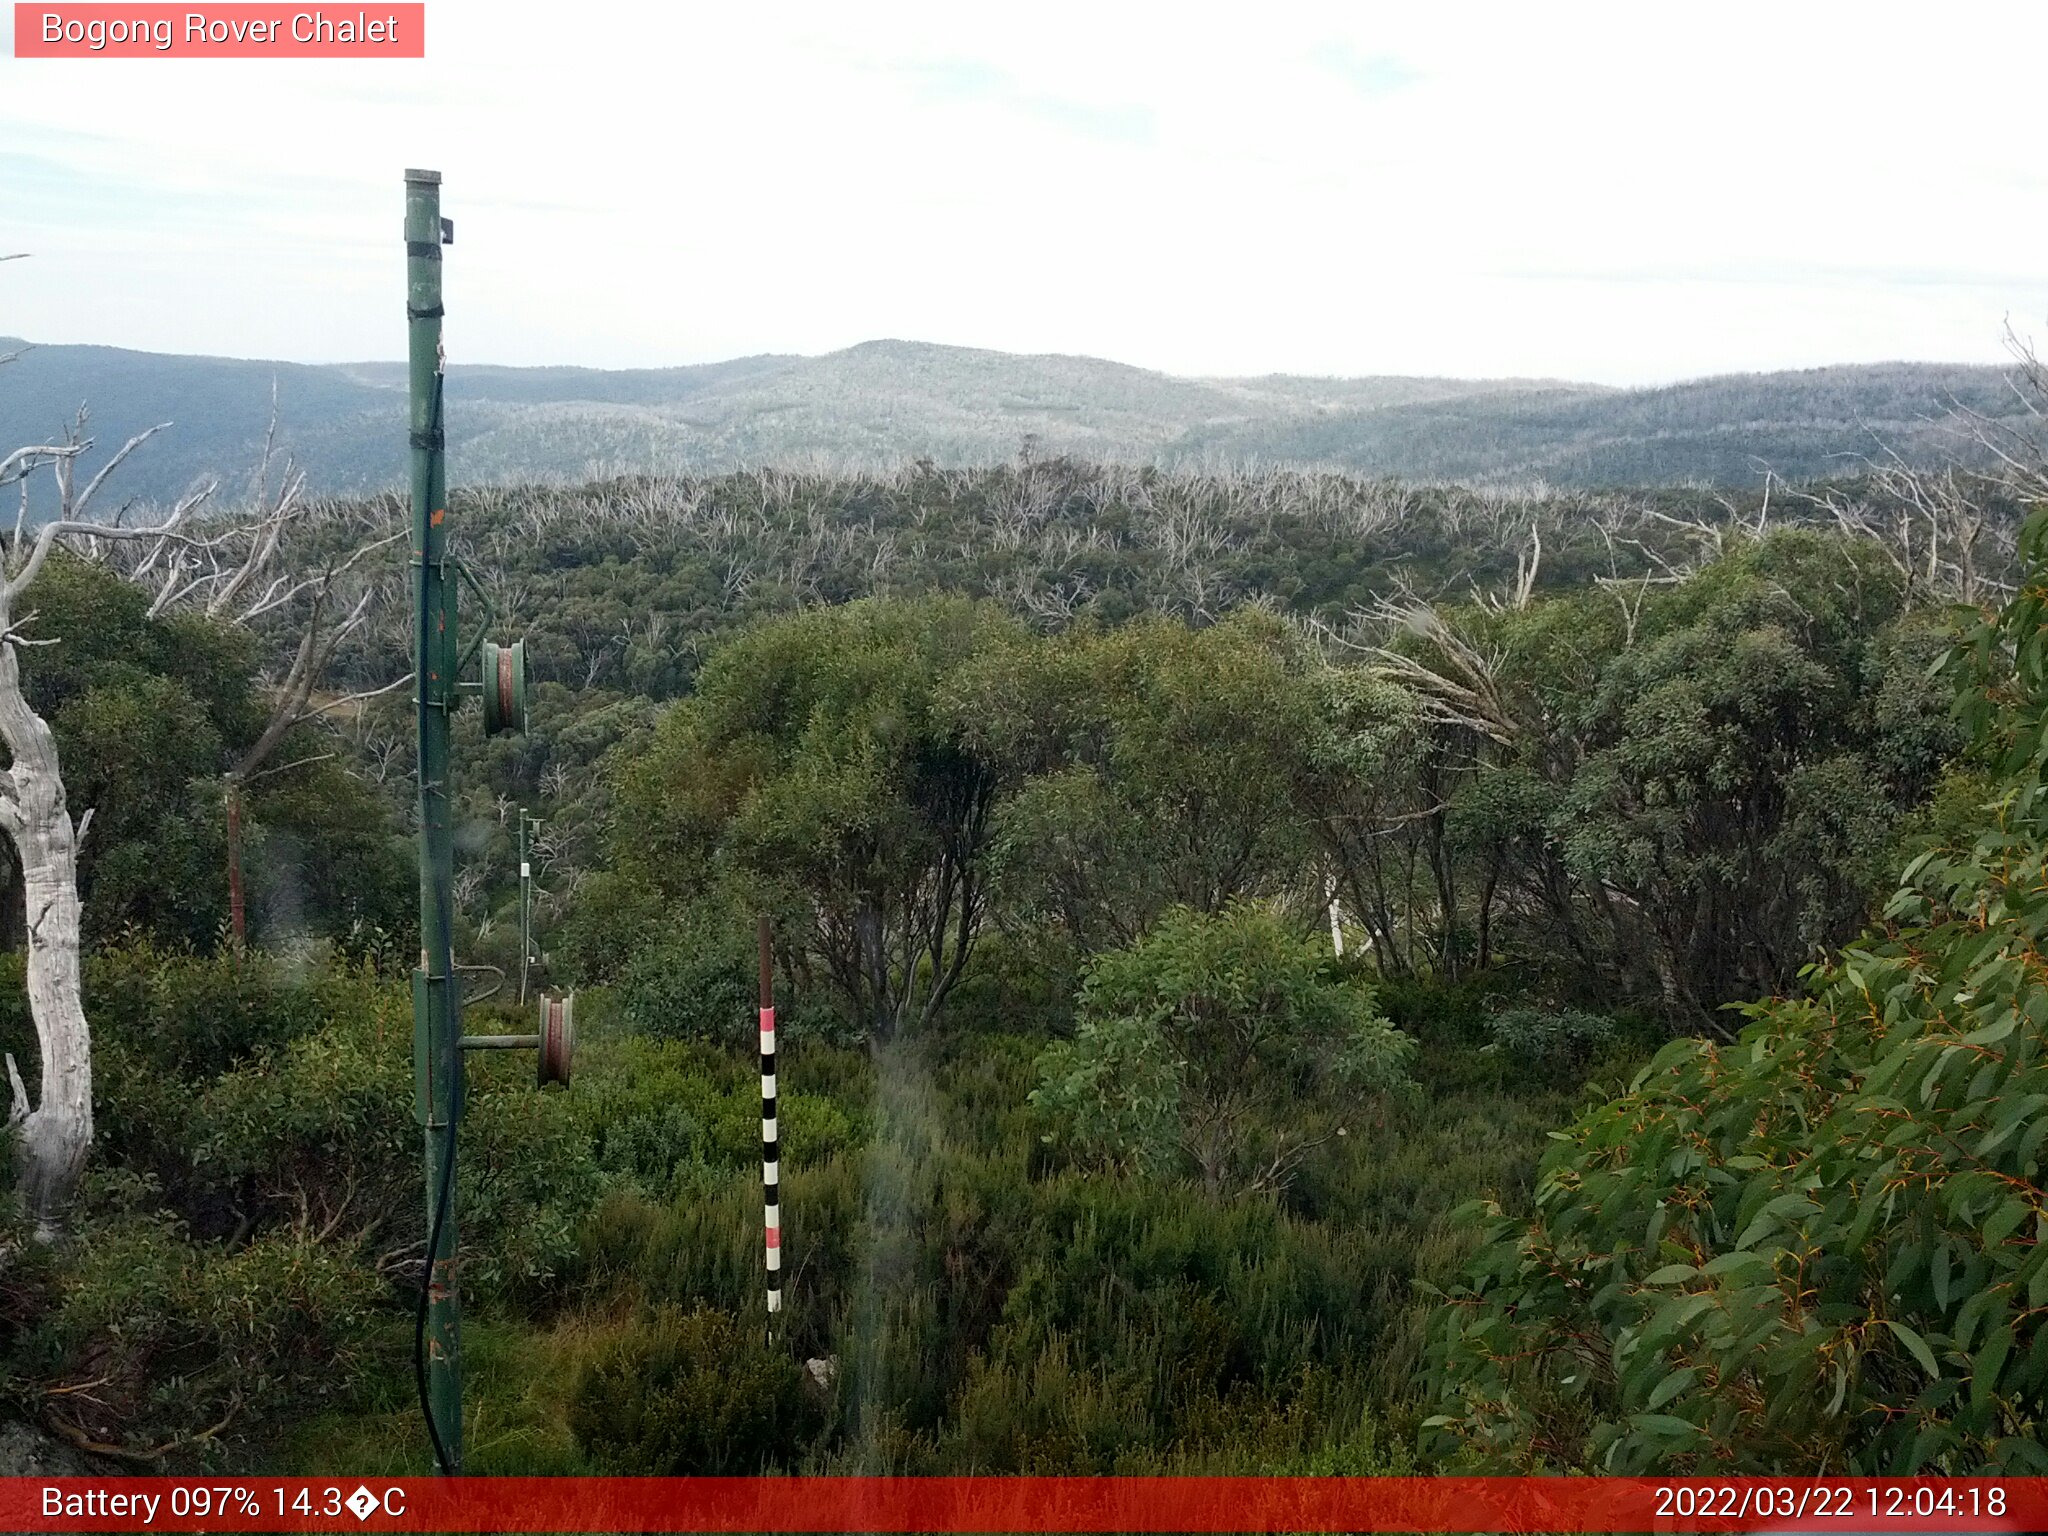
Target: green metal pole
[437, 1055]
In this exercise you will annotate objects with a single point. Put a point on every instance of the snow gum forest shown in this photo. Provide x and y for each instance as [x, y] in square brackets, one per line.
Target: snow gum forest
[1279, 971]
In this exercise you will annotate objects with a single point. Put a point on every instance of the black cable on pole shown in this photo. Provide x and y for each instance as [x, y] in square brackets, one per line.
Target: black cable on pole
[434, 1228]
[419, 1338]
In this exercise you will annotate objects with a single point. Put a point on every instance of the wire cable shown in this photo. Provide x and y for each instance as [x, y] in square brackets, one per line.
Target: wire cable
[419, 1341]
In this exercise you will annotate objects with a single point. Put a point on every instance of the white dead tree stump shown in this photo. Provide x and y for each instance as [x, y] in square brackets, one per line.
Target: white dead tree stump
[53, 1135]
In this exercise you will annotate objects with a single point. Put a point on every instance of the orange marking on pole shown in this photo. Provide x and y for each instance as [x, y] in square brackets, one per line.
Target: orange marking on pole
[437, 519]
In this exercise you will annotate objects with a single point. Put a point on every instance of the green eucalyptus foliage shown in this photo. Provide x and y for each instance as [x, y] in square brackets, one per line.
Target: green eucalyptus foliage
[821, 774]
[1821, 1246]
[1737, 770]
[630, 586]
[1197, 1044]
[698, 981]
[1666, 799]
[323, 854]
[696, 976]
[1157, 766]
[1675, 796]
[144, 712]
[148, 714]
[1697, 781]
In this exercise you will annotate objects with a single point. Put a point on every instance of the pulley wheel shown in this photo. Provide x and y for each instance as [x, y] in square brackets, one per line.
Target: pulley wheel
[504, 686]
[557, 1036]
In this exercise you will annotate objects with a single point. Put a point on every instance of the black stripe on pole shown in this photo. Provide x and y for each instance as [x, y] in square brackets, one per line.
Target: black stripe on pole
[771, 1141]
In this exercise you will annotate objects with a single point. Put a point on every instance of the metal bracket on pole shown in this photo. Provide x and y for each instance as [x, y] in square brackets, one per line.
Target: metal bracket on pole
[490, 614]
[555, 1041]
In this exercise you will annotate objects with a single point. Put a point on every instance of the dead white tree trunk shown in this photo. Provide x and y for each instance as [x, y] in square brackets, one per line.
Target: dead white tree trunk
[55, 1135]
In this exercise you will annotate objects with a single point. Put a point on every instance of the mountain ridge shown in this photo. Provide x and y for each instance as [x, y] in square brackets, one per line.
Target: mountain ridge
[889, 400]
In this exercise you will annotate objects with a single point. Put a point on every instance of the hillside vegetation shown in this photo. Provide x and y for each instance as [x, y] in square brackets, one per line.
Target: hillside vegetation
[1190, 892]
[883, 403]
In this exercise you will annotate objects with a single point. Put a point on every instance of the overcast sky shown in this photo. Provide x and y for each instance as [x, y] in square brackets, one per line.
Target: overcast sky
[1621, 194]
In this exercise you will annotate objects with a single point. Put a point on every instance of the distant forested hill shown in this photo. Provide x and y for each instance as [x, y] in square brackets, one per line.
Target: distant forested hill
[887, 402]
[1803, 425]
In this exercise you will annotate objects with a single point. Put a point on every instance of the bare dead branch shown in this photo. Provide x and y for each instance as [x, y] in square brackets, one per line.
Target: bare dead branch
[25, 461]
[77, 509]
[49, 533]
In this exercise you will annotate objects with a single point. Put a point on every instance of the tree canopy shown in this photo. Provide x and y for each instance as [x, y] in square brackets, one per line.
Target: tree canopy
[821, 771]
[1822, 1244]
[148, 714]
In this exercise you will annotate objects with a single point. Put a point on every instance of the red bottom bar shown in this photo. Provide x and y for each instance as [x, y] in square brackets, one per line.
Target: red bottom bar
[1019, 1504]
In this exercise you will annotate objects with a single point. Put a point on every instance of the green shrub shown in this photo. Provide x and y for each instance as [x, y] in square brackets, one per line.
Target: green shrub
[1197, 1042]
[703, 1246]
[1556, 1042]
[319, 1134]
[656, 1109]
[189, 1343]
[699, 981]
[700, 984]
[320, 1128]
[693, 1394]
[1015, 983]
[528, 1177]
[197, 1015]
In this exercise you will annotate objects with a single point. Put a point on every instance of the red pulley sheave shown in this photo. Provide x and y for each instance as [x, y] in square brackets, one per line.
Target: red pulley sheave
[504, 687]
[557, 1036]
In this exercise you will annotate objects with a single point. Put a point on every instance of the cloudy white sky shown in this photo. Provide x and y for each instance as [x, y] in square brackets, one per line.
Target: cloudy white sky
[1622, 194]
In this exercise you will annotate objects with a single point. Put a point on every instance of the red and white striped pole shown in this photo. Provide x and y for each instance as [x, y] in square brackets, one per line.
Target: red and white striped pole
[771, 1173]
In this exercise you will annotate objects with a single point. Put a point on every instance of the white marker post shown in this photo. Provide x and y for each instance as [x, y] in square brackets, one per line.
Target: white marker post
[771, 1172]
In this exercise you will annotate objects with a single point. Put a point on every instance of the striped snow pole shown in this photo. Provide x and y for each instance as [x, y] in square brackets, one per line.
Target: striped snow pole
[771, 1174]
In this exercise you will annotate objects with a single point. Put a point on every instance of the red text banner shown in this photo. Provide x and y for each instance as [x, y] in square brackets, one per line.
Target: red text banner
[231, 31]
[1018, 1504]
